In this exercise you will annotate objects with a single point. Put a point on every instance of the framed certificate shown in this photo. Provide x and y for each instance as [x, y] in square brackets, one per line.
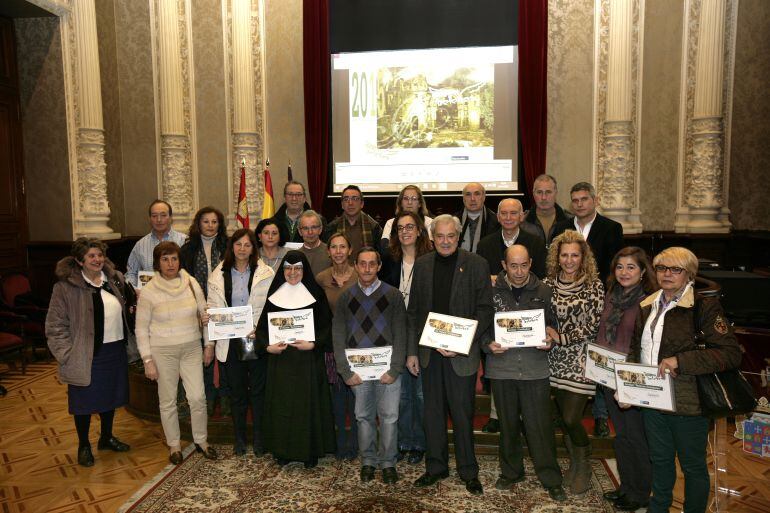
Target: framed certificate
[143, 278]
[226, 323]
[639, 385]
[370, 363]
[290, 325]
[524, 328]
[600, 364]
[448, 333]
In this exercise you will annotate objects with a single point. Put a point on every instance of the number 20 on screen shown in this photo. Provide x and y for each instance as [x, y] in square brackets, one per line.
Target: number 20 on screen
[364, 94]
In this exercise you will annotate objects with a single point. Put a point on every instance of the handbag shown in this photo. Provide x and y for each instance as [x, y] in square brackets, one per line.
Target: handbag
[721, 394]
[244, 348]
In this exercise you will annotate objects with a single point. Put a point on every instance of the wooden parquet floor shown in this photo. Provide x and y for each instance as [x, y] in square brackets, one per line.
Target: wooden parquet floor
[38, 451]
[39, 471]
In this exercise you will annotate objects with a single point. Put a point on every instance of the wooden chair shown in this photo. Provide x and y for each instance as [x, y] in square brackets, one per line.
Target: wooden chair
[12, 338]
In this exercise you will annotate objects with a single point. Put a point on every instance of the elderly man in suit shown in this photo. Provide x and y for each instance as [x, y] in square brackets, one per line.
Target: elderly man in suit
[454, 282]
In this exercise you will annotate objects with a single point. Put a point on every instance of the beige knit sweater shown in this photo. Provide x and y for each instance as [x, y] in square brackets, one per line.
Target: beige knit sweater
[167, 312]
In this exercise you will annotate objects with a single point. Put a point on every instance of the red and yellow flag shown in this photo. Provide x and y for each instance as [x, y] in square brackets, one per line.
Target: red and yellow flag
[242, 214]
[268, 204]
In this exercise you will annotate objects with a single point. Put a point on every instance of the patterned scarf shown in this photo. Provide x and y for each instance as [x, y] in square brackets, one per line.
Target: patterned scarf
[201, 265]
[621, 300]
[366, 227]
[567, 289]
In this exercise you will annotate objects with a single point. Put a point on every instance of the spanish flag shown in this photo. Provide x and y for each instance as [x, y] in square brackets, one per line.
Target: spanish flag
[242, 214]
[268, 205]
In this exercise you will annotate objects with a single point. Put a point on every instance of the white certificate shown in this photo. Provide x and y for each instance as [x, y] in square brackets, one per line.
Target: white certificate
[600, 364]
[370, 363]
[524, 328]
[290, 325]
[143, 278]
[449, 333]
[639, 385]
[226, 323]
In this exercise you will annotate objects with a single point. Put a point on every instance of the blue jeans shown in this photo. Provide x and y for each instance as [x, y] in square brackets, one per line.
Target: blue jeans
[669, 436]
[373, 399]
[411, 434]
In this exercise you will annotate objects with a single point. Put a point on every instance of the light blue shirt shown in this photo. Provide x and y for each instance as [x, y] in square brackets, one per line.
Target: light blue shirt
[140, 258]
[371, 288]
[240, 286]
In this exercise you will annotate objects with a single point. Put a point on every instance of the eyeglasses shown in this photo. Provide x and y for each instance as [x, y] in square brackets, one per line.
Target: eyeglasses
[292, 267]
[295, 194]
[410, 199]
[310, 228]
[406, 228]
[351, 199]
[663, 268]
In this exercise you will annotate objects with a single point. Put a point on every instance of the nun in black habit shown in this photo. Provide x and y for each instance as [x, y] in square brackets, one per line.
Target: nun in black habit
[297, 423]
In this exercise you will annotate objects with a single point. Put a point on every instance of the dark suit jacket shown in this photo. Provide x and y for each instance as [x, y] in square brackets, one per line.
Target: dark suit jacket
[492, 249]
[605, 239]
[471, 298]
[488, 225]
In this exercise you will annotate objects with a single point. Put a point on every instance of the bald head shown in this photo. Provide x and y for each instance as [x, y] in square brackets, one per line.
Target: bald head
[509, 215]
[474, 195]
[517, 264]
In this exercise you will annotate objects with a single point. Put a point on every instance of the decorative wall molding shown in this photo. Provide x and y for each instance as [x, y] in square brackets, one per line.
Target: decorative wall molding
[617, 109]
[705, 109]
[175, 110]
[85, 126]
[243, 30]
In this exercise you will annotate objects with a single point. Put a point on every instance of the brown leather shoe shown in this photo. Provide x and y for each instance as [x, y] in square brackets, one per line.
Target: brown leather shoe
[209, 453]
[176, 458]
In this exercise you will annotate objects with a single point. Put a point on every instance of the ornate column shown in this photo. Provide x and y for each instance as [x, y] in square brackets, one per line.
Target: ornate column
[706, 104]
[173, 76]
[90, 206]
[619, 33]
[246, 102]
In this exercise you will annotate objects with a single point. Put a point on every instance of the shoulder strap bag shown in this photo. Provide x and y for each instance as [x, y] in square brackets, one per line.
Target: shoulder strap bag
[721, 394]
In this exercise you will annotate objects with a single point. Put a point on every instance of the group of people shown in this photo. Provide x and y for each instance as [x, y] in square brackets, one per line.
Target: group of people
[371, 287]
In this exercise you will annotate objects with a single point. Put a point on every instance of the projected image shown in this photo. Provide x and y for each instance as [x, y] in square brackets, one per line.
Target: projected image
[435, 109]
[433, 117]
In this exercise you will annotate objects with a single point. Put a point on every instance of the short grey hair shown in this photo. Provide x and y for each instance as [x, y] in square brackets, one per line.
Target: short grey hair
[584, 186]
[445, 218]
[543, 178]
[311, 213]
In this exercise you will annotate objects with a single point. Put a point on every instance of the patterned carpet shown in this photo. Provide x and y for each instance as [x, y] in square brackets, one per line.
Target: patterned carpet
[248, 484]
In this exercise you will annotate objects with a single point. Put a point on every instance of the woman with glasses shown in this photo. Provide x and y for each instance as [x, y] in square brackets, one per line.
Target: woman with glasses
[632, 279]
[335, 280]
[271, 238]
[410, 243]
[578, 299]
[671, 325]
[298, 423]
[410, 199]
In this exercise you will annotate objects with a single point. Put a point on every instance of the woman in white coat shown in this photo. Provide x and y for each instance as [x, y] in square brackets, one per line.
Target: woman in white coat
[240, 280]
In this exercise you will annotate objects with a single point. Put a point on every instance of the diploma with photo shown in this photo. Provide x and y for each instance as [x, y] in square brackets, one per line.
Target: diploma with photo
[233, 322]
[600, 364]
[143, 278]
[449, 333]
[639, 385]
[369, 363]
[524, 328]
[288, 326]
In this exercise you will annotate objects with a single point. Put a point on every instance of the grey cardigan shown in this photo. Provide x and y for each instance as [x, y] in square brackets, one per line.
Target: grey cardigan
[69, 325]
[395, 330]
[471, 298]
[524, 363]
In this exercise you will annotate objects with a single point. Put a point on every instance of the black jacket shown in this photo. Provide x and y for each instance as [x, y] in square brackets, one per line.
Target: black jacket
[488, 224]
[605, 239]
[492, 249]
[533, 225]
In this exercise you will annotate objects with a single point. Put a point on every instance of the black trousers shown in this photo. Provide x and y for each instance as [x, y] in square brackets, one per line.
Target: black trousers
[631, 450]
[445, 393]
[530, 400]
[246, 380]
